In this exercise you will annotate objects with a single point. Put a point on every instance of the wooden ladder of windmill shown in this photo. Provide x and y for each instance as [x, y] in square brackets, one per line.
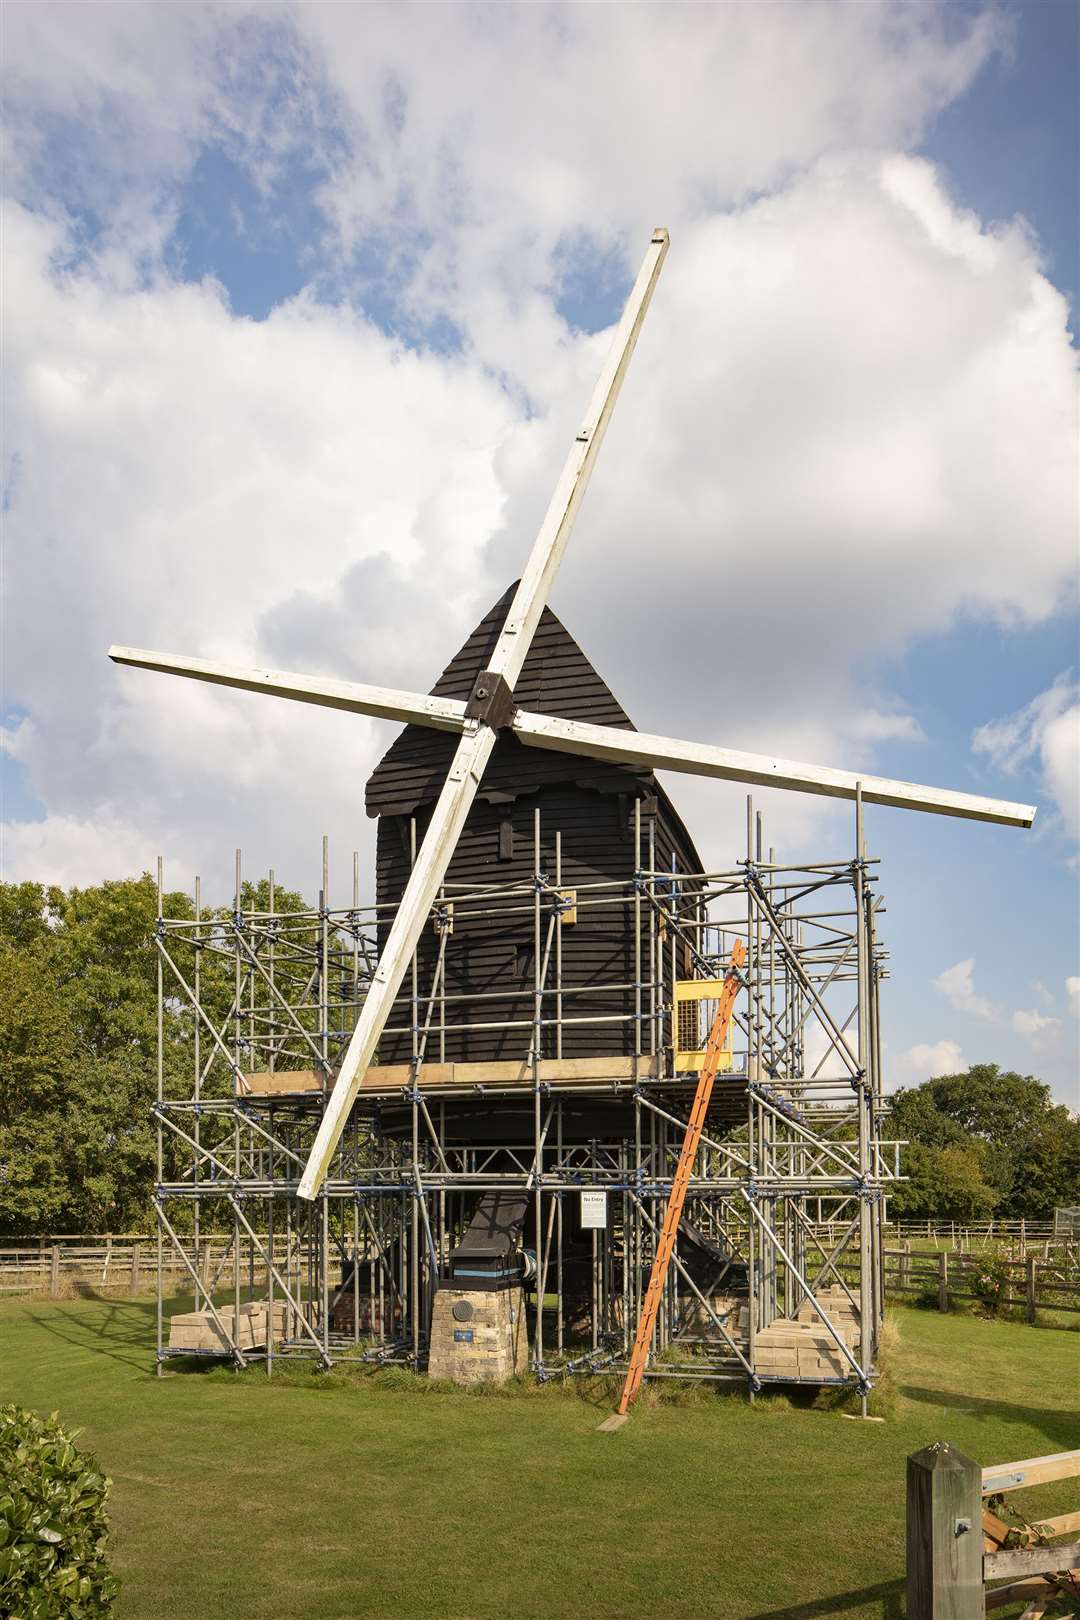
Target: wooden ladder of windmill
[695, 1125]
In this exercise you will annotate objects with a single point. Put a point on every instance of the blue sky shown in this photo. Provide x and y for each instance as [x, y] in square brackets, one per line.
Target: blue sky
[1010, 144]
[308, 318]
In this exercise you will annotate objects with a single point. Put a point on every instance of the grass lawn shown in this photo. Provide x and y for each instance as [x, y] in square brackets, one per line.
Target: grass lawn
[239, 1496]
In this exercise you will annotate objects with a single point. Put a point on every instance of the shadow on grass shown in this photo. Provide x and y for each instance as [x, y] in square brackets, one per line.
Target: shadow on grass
[1059, 1426]
[123, 1326]
[889, 1593]
[124, 1331]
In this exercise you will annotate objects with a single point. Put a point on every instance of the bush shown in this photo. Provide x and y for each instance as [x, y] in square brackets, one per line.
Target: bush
[990, 1284]
[53, 1526]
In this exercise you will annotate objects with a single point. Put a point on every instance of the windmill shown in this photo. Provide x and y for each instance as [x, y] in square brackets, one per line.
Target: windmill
[491, 709]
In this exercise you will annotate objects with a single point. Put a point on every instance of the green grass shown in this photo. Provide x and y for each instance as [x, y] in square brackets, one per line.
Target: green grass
[333, 1498]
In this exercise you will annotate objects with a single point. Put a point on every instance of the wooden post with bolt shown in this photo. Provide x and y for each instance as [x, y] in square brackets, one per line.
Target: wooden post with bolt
[944, 1535]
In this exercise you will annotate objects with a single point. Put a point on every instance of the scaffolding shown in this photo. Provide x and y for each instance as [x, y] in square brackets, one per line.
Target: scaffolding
[777, 1272]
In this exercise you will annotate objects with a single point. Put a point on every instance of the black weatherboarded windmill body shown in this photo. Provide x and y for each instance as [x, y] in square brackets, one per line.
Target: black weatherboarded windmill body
[543, 822]
[591, 807]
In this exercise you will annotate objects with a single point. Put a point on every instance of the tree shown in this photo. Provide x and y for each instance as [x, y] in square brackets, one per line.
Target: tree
[985, 1141]
[945, 1183]
[37, 1052]
[78, 1049]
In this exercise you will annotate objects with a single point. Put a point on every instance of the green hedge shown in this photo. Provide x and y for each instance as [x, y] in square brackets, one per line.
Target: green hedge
[53, 1525]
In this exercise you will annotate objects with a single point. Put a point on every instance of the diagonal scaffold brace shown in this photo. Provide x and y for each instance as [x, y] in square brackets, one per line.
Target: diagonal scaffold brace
[695, 1125]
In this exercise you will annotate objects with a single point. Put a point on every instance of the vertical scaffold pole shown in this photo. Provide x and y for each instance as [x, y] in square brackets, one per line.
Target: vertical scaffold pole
[866, 1297]
[324, 1050]
[160, 1092]
[269, 1150]
[196, 1043]
[238, 1046]
[538, 1142]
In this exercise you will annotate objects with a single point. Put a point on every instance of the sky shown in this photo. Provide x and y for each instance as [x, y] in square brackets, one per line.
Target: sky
[303, 304]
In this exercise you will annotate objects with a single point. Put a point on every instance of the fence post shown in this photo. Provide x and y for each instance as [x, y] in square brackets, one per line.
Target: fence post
[944, 1535]
[1031, 1264]
[136, 1256]
[54, 1270]
[943, 1280]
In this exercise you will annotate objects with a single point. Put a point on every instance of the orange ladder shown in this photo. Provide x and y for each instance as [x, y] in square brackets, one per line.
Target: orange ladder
[673, 1214]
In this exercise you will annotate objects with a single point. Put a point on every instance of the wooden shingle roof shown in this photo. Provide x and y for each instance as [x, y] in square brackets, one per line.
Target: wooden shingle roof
[557, 679]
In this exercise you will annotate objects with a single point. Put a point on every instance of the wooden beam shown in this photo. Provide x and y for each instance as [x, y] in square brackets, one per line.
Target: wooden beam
[534, 587]
[1000, 1597]
[383, 702]
[393, 1077]
[653, 752]
[1060, 1526]
[1032, 1561]
[1031, 1471]
[278, 1082]
[478, 738]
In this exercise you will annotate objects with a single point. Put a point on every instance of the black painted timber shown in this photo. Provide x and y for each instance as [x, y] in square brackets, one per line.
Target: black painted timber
[591, 803]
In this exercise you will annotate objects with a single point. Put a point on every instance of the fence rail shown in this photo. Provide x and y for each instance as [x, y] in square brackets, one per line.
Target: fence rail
[976, 1230]
[1017, 1238]
[51, 1264]
[1032, 1283]
[1046, 1277]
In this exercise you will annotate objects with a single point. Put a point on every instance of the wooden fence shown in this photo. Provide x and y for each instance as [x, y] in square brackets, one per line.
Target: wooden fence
[968, 1234]
[1033, 1283]
[1045, 1279]
[957, 1541]
[51, 1265]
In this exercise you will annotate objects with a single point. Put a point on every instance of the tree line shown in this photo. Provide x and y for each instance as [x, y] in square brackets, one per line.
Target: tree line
[78, 1049]
[78, 1064]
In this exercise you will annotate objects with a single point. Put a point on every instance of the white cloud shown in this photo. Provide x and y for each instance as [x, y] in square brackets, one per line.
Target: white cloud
[74, 853]
[487, 152]
[872, 726]
[1072, 990]
[307, 492]
[188, 480]
[845, 387]
[1040, 1030]
[957, 985]
[1045, 732]
[820, 1053]
[561, 130]
[924, 1061]
[108, 109]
